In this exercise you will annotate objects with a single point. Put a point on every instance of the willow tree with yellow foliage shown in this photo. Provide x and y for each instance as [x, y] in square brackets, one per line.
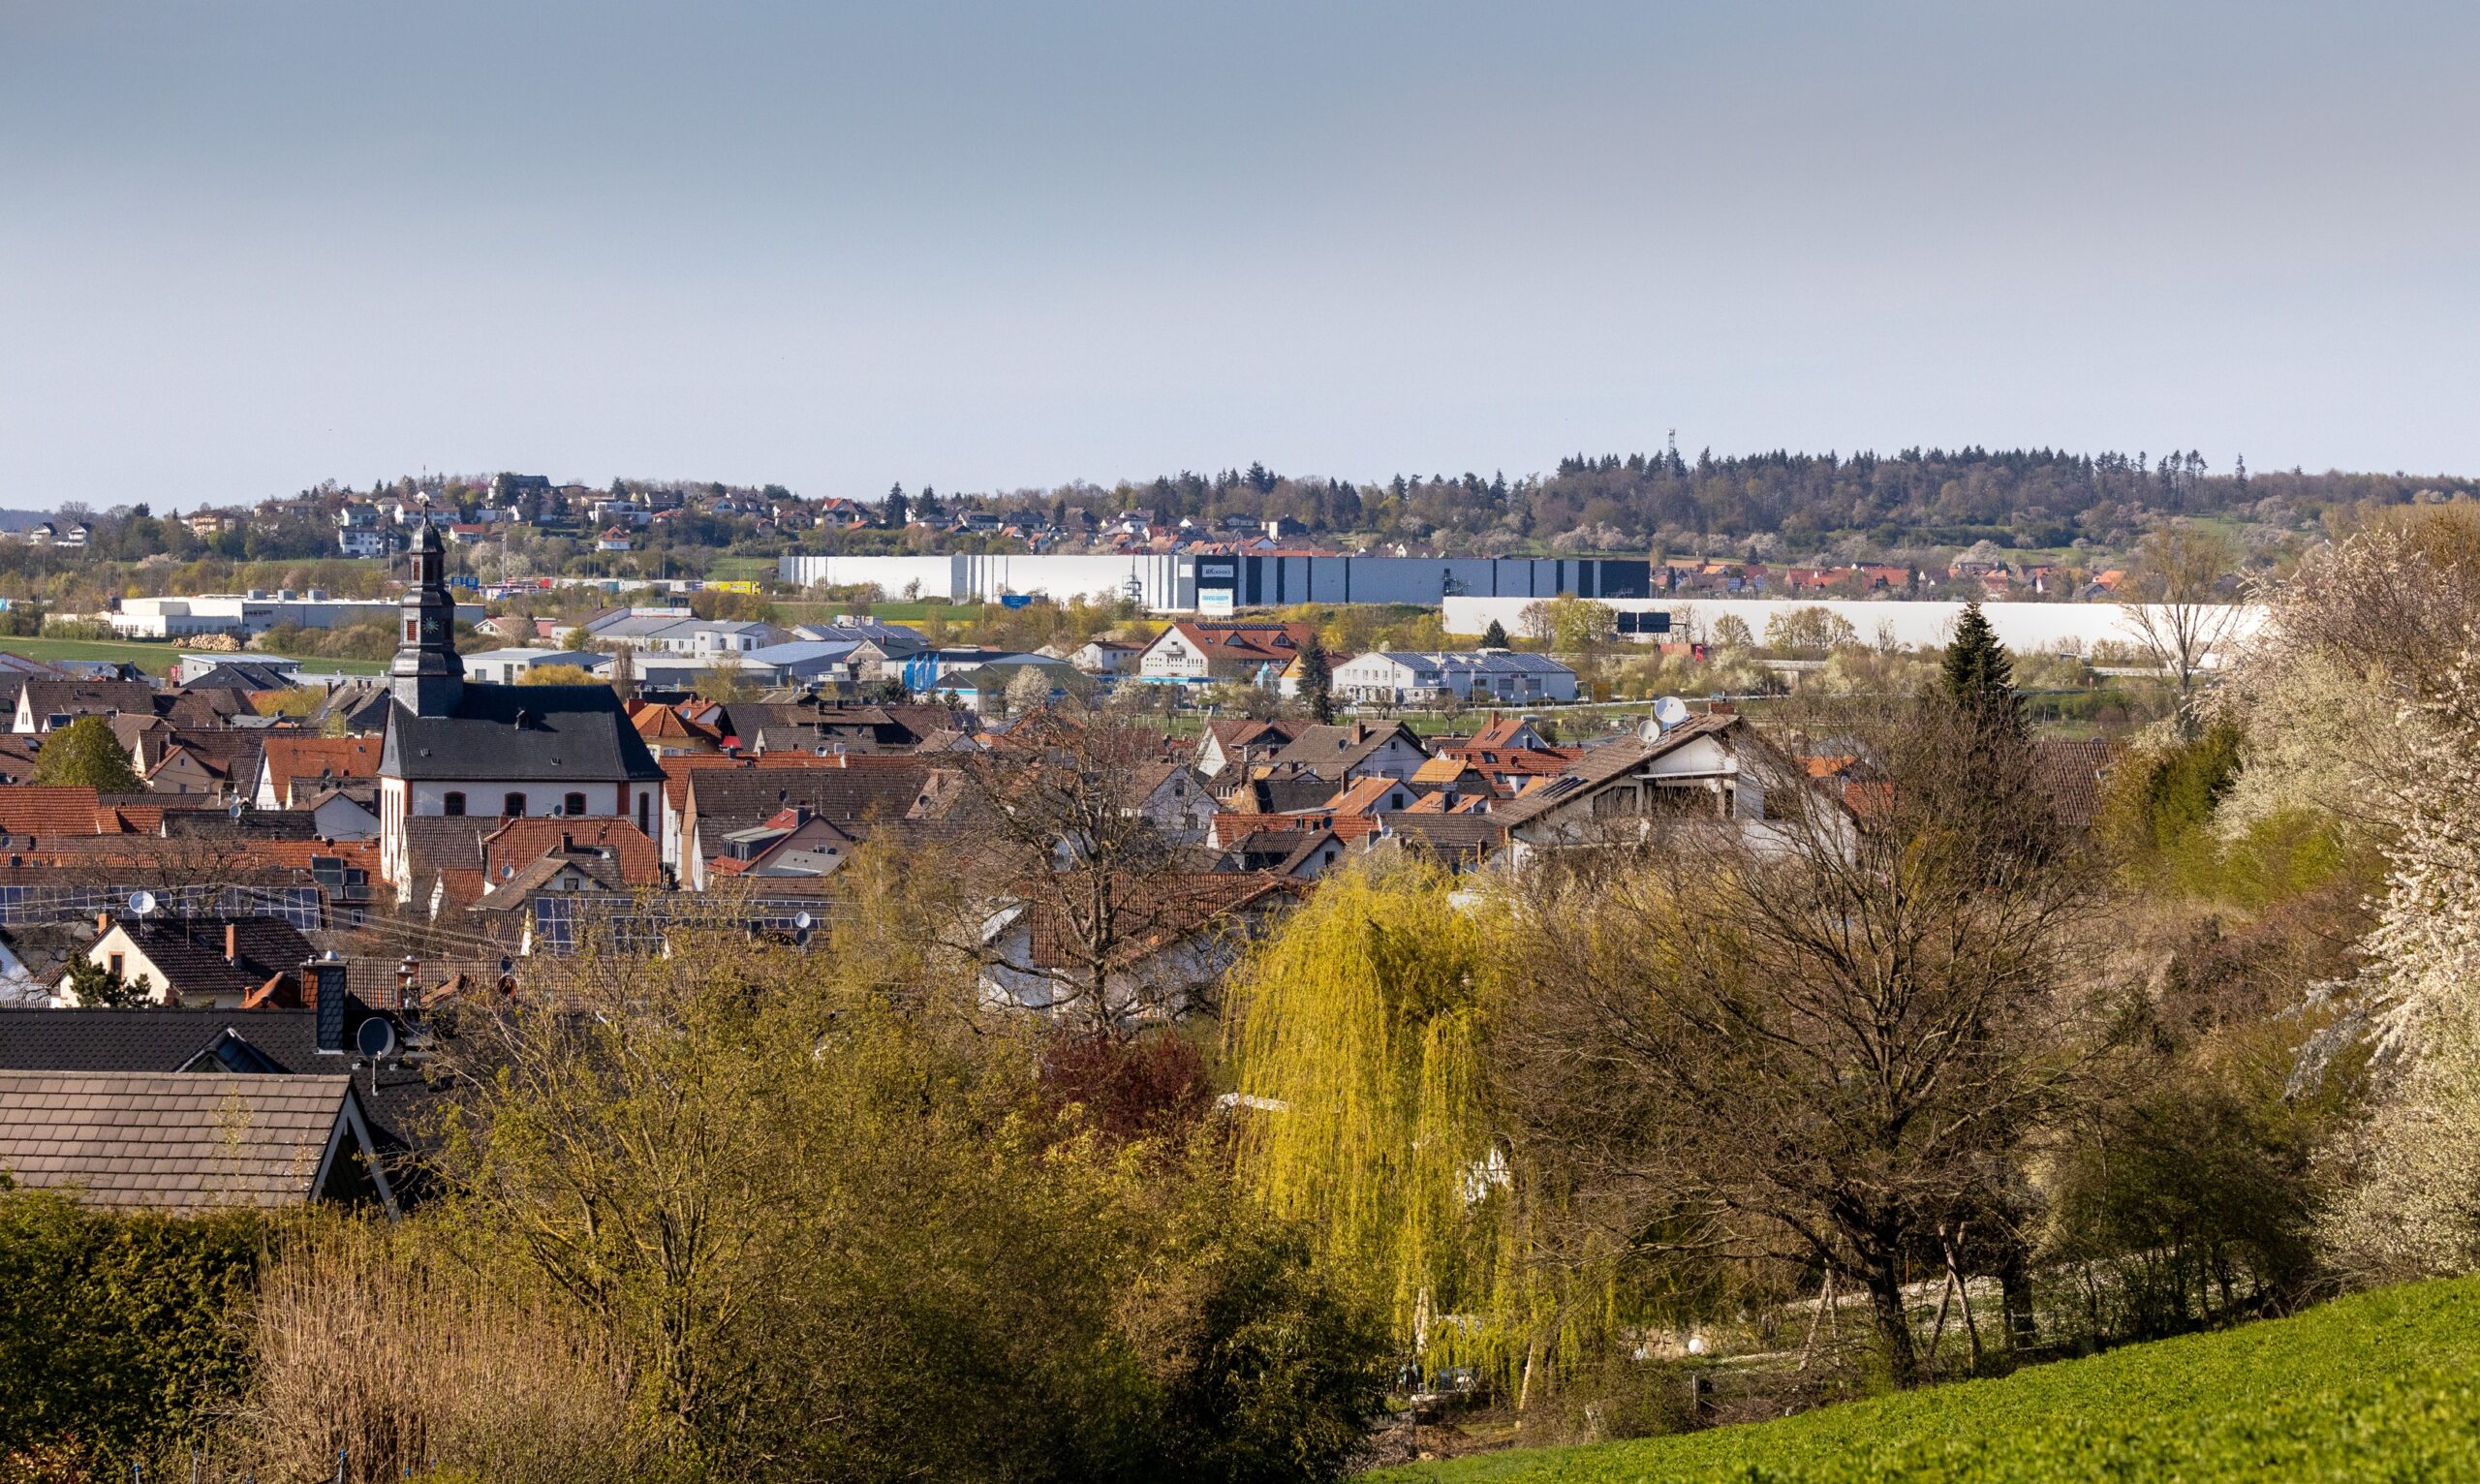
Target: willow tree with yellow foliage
[1358, 1036]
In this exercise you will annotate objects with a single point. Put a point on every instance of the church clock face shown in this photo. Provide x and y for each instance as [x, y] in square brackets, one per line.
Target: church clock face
[431, 626]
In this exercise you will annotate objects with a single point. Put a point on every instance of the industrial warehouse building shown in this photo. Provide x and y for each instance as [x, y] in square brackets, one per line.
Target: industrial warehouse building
[1174, 584]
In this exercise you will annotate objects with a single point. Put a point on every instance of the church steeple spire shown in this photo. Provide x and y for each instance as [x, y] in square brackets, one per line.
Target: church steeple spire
[426, 674]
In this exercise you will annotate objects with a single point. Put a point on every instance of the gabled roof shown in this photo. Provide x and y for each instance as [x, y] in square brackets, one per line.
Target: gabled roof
[242, 676]
[1333, 750]
[287, 758]
[1506, 733]
[539, 733]
[1366, 795]
[1244, 642]
[189, 951]
[87, 698]
[1610, 761]
[663, 726]
[510, 893]
[868, 790]
[179, 1141]
[519, 843]
[679, 770]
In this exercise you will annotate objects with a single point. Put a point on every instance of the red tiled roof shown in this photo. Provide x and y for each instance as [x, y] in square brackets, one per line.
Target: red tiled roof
[291, 758]
[47, 810]
[1247, 643]
[519, 843]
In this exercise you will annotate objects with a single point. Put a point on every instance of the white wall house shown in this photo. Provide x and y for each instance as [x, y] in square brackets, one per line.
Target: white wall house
[243, 614]
[510, 667]
[1398, 677]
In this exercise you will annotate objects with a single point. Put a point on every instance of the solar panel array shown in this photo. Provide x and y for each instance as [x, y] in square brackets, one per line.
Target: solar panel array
[565, 920]
[303, 906]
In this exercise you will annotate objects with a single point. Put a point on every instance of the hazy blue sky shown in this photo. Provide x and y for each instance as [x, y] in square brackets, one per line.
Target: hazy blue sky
[245, 247]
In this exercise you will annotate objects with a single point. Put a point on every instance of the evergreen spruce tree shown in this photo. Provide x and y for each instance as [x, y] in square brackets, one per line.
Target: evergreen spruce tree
[93, 986]
[1317, 682]
[1979, 675]
[1495, 636]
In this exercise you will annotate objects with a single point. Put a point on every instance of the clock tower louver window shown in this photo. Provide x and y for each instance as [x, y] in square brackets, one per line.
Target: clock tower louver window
[426, 676]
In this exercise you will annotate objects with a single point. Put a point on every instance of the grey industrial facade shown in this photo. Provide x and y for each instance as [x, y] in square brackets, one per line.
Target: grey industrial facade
[1207, 584]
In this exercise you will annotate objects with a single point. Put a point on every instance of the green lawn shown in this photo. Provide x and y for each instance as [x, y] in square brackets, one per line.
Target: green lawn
[2384, 1385]
[157, 659]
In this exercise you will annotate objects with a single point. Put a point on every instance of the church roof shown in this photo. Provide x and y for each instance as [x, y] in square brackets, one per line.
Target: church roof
[534, 733]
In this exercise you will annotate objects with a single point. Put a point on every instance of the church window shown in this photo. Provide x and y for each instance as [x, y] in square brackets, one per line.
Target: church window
[574, 804]
[514, 806]
[451, 804]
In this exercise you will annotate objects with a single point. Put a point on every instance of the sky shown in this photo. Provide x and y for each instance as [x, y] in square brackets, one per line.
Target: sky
[245, 247]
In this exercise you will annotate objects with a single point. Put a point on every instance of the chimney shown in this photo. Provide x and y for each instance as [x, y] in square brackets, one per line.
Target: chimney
[409, 972]
[322, 981]
[232, 943]
[103, 923]
[567, 843]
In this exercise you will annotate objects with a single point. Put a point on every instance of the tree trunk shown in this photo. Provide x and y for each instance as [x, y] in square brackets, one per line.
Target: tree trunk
[1894, 1325]
[2015, 1297]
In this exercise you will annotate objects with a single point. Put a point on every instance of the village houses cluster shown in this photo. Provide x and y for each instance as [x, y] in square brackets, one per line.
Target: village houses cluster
[302, 897]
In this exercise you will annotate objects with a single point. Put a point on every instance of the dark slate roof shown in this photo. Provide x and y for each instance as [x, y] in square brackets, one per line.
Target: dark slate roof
[395, 1098]
[242, 676]
[364, 704]
[1333, 751]
[572, 733]
[189, 951]
[88, 697]
[147, 1040]
[877, 790]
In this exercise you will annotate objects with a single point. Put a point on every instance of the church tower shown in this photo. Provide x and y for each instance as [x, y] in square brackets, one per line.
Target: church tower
[426, 676]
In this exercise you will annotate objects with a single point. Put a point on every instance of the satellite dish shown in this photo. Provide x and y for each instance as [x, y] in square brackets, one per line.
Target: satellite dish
[803, 922]
[1669, 712]
[377, 1038]
[141, 901]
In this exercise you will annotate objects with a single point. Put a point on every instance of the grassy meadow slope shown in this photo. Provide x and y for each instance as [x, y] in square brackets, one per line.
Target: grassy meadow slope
[2383, 1385]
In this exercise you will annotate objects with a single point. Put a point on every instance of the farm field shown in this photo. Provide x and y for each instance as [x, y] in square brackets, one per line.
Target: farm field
[158, 659]
[2383, 1385]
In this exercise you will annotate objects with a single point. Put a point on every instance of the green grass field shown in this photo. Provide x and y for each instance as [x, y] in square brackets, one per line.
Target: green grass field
[2384, 1385]
[158, 659]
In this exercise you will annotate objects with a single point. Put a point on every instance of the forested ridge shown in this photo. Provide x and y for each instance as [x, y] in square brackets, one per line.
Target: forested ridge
[2042, 497]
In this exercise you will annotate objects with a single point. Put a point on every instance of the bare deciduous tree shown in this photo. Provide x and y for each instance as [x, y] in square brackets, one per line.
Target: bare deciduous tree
[1824, 1041]
[2176, 607]
[1060, 799]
